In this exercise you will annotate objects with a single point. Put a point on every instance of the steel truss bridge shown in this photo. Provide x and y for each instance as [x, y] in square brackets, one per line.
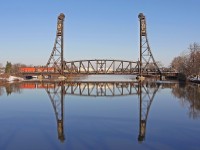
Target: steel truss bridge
[98, 66]
[146, 65]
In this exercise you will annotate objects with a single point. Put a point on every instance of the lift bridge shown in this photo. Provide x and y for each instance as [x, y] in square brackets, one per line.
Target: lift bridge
[146, 65]
[145, 91]
[102, 66]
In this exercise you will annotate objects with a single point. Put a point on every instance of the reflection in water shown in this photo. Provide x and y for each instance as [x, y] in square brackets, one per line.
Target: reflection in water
[56, 92]
[146, 95]
[146, 91]
[99, 89]
[189, 95]
[56, 96]
[10, 88]
[1, 90]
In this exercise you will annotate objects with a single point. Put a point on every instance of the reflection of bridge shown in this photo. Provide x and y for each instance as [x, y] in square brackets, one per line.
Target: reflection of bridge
[99, 89]
[57, 92]
[146, 92]
[145, 66]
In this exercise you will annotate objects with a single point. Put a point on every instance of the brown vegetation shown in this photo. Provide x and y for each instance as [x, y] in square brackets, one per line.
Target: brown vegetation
[188, 63]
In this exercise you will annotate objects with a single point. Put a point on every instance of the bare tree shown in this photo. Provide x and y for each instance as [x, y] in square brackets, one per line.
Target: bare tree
[15, 67]
[194, 57]
[188, 63]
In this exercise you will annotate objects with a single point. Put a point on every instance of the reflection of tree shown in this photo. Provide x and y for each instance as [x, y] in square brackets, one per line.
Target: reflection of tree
[1, 91]
[12, 88]
[189, 96]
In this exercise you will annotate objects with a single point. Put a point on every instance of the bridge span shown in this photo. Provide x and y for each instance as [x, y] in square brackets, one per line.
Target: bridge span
[101, 66]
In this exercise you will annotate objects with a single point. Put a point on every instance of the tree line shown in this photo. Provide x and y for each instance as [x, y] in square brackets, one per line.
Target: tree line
[13, 68]
[188, 63]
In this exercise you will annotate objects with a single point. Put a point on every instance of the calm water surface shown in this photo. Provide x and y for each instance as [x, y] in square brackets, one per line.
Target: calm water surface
[100, 116]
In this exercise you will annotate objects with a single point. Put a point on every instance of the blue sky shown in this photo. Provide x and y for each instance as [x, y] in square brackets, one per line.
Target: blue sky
[104, 29]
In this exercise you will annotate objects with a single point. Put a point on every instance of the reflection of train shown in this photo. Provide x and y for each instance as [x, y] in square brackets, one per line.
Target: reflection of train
[36, 85]
[36, 69]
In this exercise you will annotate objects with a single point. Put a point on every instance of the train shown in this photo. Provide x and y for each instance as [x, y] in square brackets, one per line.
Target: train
[36, 69]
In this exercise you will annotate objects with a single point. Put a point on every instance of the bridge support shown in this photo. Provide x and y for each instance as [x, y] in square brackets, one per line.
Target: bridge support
[147, 61]
[56, 59]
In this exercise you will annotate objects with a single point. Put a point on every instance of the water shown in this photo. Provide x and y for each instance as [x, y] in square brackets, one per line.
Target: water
[100, 116]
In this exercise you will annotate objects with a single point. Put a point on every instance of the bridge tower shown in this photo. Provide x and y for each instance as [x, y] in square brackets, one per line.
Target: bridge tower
[56, 59]
[147, 61]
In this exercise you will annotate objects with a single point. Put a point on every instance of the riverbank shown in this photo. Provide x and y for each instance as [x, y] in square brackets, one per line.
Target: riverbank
[6, 78]
[194, 79]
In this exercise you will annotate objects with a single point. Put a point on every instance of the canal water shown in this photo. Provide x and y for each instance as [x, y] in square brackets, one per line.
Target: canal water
[100, 115]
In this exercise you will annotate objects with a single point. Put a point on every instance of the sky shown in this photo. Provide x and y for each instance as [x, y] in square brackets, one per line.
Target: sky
[96, 29]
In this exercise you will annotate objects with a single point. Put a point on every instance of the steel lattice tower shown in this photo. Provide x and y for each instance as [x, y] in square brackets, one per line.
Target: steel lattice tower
[147, 61]
[56, 59]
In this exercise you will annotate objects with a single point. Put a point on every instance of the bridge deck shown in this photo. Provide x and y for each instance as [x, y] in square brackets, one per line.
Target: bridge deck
[95, 67]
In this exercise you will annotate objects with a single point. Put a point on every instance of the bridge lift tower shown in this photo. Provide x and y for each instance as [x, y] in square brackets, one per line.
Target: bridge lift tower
[56, 59]
[147, 61]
